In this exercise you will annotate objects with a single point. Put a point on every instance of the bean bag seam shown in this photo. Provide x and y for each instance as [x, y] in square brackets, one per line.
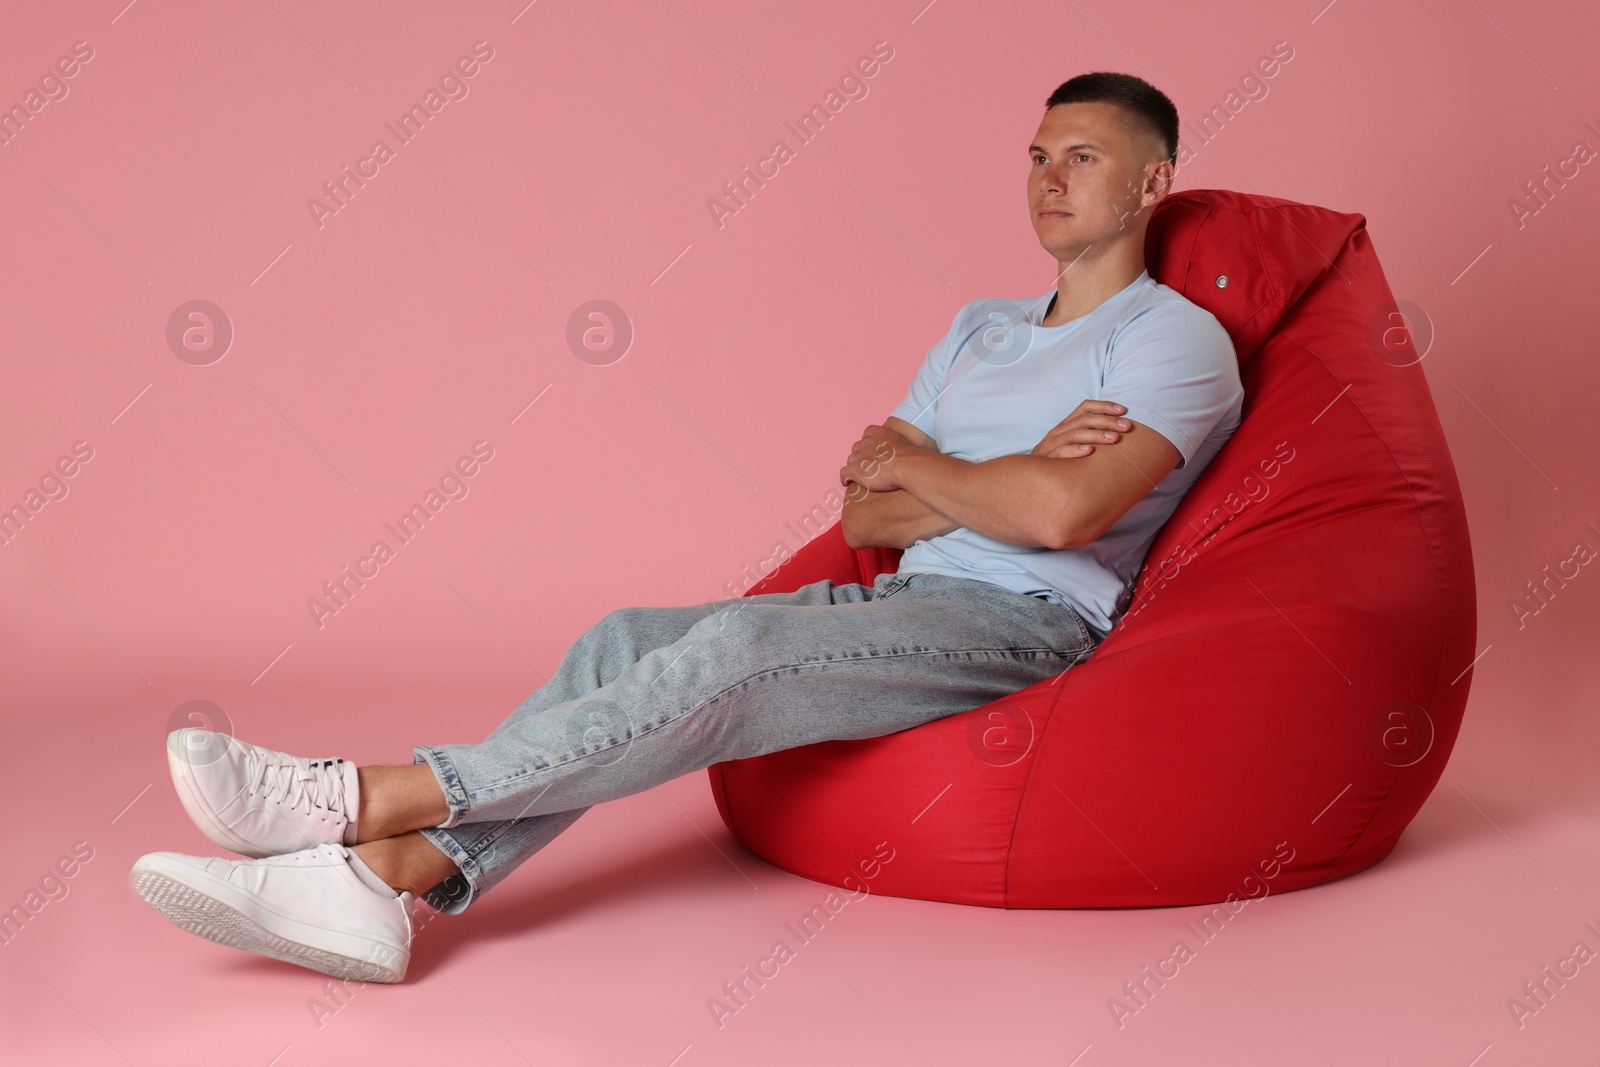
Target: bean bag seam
[1433, 558]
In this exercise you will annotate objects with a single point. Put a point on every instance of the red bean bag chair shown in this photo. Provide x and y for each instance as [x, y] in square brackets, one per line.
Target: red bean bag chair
[1284, 689]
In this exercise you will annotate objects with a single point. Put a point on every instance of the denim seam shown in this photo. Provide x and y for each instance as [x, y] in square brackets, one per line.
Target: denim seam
[1083, 629]
[455, 794]
[463, 860]
[614, 743]
[1085, 640]
[488, 840]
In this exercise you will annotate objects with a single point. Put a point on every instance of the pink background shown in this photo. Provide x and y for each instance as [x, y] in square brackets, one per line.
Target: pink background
[432, 310]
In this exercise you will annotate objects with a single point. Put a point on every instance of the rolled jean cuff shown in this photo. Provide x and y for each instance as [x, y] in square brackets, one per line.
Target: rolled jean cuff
[455, 795]
[452, 895]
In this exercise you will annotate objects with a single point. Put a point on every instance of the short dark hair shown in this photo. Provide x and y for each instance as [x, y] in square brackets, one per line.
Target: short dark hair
[1148, 104]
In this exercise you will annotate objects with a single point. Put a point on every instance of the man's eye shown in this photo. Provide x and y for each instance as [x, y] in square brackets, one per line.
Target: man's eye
[1084, 155]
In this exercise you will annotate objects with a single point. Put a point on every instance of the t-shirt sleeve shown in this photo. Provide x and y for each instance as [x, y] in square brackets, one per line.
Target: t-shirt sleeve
[921, 400]
[1174, 368]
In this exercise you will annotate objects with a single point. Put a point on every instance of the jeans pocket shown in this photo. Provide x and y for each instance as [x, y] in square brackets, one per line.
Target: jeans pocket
[893, 586]
[1080, 641]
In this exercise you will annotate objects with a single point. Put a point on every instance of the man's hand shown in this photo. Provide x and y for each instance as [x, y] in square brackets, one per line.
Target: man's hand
[1093, 422]
[892, 518]
[871, 461]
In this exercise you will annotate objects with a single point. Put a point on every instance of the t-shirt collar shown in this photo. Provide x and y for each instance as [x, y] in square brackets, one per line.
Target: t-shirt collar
[1037, 312]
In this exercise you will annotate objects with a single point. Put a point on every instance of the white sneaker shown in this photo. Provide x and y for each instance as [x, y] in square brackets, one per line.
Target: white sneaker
[258, 802]
[309, 908]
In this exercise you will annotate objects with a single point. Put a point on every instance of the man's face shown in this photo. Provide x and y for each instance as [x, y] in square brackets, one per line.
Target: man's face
[1094, 173]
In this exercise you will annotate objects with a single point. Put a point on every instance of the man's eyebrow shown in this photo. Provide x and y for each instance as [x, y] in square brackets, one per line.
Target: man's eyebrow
[1033, 148]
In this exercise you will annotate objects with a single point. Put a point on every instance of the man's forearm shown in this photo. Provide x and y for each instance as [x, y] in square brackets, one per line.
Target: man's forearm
[1009, 498]
[891, 519]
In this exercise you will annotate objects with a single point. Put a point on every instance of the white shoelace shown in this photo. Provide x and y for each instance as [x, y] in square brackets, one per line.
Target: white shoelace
[295, 781]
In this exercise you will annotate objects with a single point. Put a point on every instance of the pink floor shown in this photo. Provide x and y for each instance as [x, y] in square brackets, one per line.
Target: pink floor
[609, 946]
[374, 346]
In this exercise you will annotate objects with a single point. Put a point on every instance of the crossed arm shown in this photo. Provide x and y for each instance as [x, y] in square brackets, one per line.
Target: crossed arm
[1075, 483]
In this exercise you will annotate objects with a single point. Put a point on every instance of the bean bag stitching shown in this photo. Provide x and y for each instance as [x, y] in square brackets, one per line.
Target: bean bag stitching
[1277, 296]
[1438, 584]
[1194, 238]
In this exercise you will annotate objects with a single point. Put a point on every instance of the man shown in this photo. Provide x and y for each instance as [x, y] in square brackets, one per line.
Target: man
[1023, 534]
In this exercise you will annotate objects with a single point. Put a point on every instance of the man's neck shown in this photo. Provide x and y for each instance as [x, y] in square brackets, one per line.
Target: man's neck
[1080, 290]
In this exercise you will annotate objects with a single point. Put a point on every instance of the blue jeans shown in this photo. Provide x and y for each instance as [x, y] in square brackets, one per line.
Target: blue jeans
[647, 695]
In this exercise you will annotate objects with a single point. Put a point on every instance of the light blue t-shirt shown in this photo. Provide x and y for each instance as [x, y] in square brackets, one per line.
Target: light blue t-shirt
[999, 381]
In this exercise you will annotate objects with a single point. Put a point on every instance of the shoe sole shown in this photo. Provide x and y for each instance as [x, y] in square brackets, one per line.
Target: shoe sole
[189, 796]
[205, 911]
